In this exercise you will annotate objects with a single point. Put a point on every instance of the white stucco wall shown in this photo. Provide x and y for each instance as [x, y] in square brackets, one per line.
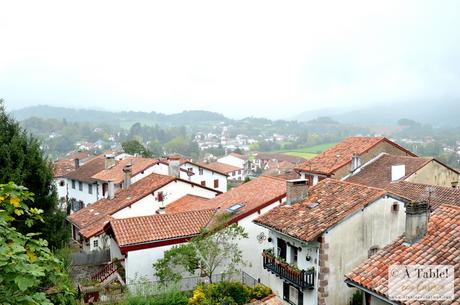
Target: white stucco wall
[231, 160]
[82, 195]
[350, 241]
[173, 191]
[207, 175]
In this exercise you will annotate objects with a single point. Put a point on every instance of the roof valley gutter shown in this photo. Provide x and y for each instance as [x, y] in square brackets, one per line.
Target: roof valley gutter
[378, 296]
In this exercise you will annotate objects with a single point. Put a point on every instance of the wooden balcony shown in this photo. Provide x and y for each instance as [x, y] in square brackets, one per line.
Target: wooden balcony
[302, 279]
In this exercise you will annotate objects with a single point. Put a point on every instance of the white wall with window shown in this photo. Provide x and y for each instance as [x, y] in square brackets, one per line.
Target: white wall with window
[204, 176]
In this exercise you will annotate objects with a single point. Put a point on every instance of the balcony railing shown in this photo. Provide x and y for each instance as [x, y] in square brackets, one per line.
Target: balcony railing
[302, 279]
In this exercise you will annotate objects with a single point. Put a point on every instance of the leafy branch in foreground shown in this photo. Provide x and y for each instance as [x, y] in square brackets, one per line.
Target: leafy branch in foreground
[29, 272]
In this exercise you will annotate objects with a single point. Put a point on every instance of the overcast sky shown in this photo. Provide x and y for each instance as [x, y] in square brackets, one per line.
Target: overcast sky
[240, 58]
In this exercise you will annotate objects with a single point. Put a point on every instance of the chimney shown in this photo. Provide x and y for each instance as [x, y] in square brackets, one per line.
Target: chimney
[454, 184]
[398, 171]
[77, 163]
[111, 190]
[174, 164]
[127, 171]
[109, 161]
[355, 162]
[417, 215]
[296, 190]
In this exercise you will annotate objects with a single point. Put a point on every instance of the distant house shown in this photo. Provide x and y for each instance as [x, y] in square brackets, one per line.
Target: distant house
[387, 169]
[263, 160]
[315, 241]
[199, 173]
[232, 172]
[438, 245]
[147, 196]
[183, 220]
[61, 168]
[240, 161]
[346, 157]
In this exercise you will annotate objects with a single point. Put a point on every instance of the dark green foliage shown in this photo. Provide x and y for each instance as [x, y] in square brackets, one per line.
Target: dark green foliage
[357, 298]
[259, 292]
[22, 161]
[135, 147]
[232, 293]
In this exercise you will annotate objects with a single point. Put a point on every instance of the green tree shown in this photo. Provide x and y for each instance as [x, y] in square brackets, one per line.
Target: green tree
[215, 248]
[135, 147]
[22, 161]
[29, 272]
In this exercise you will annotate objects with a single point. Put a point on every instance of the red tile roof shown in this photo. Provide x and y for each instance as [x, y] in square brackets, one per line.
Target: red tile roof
[340, 155]
[86, 171]
[91, 219]
[279, 157]
[378, 172]
[115, 173]
[239, 156]
[144, 229]
[220, 167]
[440, 246]
[435, 195]
[334, 200]
[186, 203]
[254, 195]
[63, 167]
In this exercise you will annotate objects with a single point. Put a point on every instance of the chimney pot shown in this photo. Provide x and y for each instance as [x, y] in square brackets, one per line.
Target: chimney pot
[174, 167]
[127, 171]
[296, 190]
[110, 190]
[109, 161]
[417, 215]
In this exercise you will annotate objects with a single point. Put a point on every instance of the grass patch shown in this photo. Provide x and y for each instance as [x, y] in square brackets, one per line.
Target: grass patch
[308, 152]
[301, 154]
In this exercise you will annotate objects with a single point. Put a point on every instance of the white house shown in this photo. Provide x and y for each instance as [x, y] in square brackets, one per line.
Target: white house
[148, 196]
[232, 172]
[245, 203]
[315, 242]
[89, 182]
[240, 161]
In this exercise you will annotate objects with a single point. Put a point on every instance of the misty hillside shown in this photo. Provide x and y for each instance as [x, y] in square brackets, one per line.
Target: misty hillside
[117, 118]
[441, 114]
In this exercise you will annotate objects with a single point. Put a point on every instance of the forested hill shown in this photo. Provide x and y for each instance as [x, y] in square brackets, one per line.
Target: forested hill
[123, 118]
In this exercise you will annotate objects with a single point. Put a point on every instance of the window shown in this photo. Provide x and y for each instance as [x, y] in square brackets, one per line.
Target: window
[281, 248]
[395, 207]
[61, 183]
[95, 243]
[200, 171]
[190, 169]
[292, 295]
[372, 251]
[239, 172]
[294, 254]
[216, 183]
[73, 184]
[203, 183]
[90, 188]
[234, 208]
[233, 173]
[80, 186]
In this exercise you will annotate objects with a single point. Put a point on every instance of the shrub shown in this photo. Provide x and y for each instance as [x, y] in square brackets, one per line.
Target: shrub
[169, 297]
[231, 293]
[259, 292]
[357, 298]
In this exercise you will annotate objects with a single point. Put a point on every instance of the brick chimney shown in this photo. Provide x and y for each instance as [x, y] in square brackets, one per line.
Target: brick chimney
[109, 161]
[110, 190]
[127, 171]
[174, 167]
[417, 215]
[296, 190]
[77, 163]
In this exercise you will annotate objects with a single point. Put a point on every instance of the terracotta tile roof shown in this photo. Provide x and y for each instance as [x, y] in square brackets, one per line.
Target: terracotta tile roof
[378, 172]
[421, 192]
[115, 173]
[279, 157]
[334, 158]
[81, 155]
[438, 247]
[130, 231]
[254, 195]
[239, 156]
[185, 203]
[220, 167]
[86, 171]
[90, 219]
[63, 167]
[334, 201]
